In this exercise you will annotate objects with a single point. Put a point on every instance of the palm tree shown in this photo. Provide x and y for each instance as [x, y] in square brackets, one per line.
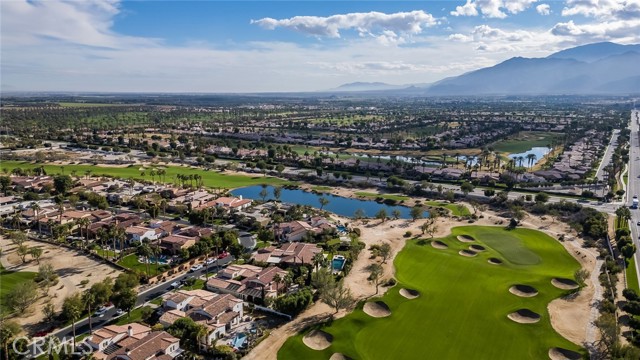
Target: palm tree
[8, 331]
[276, 279]
[84, 223]
[102, 236]
[145, 251]
[88, 297]
[163, 206]
[531, 158]
[36, 210]
[318, 259]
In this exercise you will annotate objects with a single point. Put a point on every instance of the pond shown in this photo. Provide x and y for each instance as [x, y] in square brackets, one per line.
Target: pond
[337, 204]
[538, 151]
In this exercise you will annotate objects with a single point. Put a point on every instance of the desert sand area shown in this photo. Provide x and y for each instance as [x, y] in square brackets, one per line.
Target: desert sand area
[72, 267]
[571, 317]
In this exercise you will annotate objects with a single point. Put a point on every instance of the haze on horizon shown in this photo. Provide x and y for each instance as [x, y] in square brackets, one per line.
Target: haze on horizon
[277, 46]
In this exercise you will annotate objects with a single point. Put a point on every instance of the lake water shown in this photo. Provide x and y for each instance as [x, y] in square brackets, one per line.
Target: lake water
[337, 204]
[539, 152]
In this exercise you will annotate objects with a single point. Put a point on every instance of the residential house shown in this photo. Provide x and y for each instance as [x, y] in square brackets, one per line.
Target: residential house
[157, 345]
[111, 334]
[247, 282]
[140, 233]
[290, 254]
[218, 313]
[175, 243]
[232, 203]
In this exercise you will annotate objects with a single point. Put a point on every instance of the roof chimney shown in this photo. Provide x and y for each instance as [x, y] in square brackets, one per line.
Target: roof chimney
[130, 330]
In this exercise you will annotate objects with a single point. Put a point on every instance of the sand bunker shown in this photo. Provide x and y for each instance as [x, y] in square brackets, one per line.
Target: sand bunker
[339, 356]
[409, 293]
[376, 309]
[468, 253]
[317, 340]
[477, 248]
[563, 354]
[523, 290]
[439, 245]
[564, 284]
[494, 261]
[524, 316]
[466, 238]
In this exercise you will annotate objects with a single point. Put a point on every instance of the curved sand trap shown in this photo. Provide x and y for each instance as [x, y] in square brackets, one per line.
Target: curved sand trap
[317, 340]
[564, 284]
[494, 261]
[439, 245]
[339, 356]
[477, 248]
[468, 253]
[409, 293]
[563, 354]
[523, 290]
[376, 309]
[466, 238]
[524, 316]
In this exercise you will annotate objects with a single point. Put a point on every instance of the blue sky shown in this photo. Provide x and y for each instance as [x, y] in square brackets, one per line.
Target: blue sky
[265, 46]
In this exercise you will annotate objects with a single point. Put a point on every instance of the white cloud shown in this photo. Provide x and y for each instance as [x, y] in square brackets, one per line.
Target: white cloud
[608, 9]
[365, 23]
[543, 9]
[492, 8]
[468, 9]
[80, 22]
[623, 31]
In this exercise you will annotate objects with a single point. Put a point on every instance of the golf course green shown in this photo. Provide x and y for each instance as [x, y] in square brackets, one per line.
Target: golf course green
[213, 179]
[460, 306]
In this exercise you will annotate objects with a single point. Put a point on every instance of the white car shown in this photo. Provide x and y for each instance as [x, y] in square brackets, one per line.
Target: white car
[210, 261]
[195, 268]
[119, 312]
[100, 312]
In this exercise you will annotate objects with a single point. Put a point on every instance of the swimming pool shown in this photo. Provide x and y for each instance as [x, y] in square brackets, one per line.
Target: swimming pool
[162, 260]
[337, 263]
[239, 340]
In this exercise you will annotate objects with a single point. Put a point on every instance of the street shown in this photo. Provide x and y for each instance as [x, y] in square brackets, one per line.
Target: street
[145, 296]
[633, 186]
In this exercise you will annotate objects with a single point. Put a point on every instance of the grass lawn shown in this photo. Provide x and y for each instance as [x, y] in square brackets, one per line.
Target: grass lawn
[157, 301]
[523, 141]
[463, 305]
[209, 178]
[632, 277]
[82, 104]
[321, 188]
[198, 285]
[131, 262]
[8, 280]
[136, 316]
[384, 196]
[262, 244]
[456, 209]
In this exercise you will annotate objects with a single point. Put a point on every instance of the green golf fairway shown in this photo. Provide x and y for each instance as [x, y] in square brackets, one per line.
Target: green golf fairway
[209, 178]
[462, 309]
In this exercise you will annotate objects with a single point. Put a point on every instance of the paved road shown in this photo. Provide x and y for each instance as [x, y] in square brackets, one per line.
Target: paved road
[143, 297]
[608, 154]
[634, 181]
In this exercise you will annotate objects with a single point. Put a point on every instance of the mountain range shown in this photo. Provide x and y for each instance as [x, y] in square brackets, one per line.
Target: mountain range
[594, 69]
